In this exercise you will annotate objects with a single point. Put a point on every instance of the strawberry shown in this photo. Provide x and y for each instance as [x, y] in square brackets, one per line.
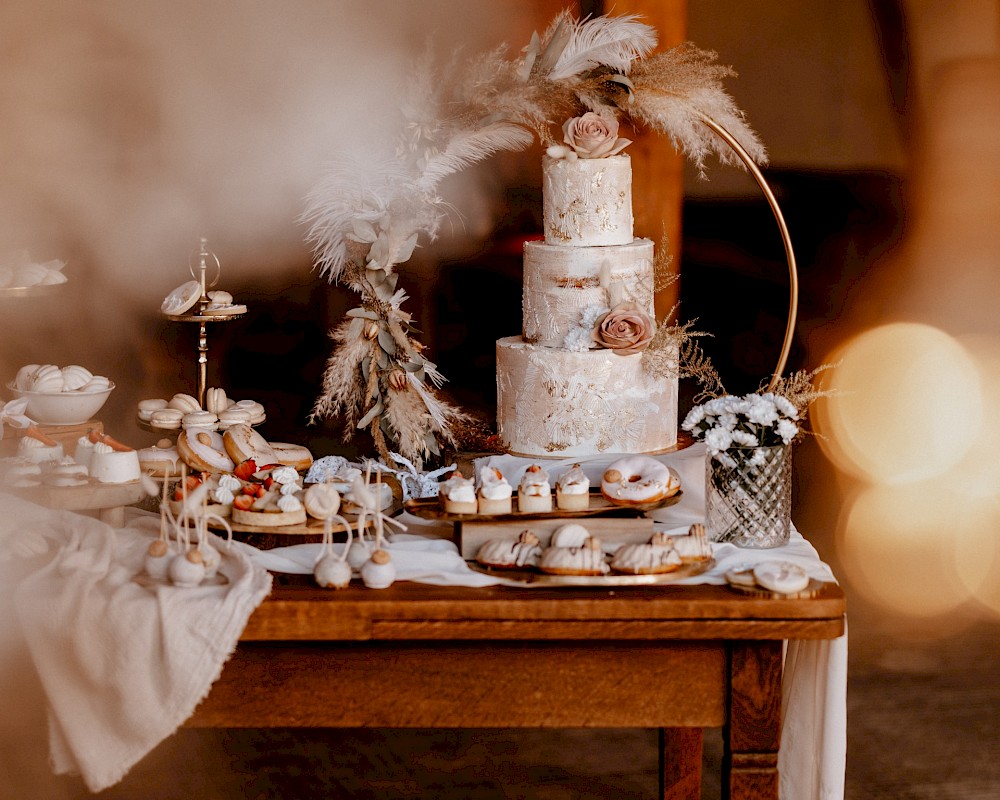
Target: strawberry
[245, 470]
[243, 502]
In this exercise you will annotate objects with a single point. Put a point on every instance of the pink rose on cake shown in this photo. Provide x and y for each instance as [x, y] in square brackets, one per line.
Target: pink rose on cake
[590, 136]
[626, 329]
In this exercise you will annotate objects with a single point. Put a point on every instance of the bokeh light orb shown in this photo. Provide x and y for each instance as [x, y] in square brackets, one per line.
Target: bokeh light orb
[906, 404]
[915, 550]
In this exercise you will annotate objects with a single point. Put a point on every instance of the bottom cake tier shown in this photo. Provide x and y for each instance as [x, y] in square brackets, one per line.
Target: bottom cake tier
[561, 403]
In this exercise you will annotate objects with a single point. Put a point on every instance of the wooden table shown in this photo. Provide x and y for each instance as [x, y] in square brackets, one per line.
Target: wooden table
[674, 658]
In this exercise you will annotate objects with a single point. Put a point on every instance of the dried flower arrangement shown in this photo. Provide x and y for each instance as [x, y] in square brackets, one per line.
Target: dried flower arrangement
[767, 418]
[366, 219]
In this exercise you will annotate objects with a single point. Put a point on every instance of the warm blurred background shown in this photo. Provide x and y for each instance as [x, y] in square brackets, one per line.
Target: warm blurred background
[129, 129]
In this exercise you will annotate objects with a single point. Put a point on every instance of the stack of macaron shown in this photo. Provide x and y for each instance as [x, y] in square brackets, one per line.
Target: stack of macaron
[184, 411]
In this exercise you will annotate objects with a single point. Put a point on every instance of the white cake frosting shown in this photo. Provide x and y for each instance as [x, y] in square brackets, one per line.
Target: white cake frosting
[562, 283]
[562, 403]
[587, 201]
[559, 393]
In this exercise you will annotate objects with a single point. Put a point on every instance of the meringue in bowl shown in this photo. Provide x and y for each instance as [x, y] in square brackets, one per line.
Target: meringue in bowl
[63, 408]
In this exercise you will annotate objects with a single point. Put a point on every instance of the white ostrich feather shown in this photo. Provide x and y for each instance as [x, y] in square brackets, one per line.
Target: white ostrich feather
[348, 197]
[468, 147]
[614, 42]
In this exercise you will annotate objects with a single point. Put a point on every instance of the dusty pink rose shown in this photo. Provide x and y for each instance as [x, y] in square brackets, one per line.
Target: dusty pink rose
[625, 329]
[593, 136]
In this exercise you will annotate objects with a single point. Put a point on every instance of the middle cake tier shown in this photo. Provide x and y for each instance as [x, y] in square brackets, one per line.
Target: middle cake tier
[561, 283]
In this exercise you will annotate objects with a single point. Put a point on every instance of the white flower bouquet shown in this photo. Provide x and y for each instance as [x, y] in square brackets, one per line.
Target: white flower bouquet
[751, 421]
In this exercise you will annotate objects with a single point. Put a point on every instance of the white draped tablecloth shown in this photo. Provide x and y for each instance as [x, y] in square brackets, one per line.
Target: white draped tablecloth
[122, 665]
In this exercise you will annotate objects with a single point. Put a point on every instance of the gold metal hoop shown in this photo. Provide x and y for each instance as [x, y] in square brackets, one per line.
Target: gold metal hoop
[793, 274]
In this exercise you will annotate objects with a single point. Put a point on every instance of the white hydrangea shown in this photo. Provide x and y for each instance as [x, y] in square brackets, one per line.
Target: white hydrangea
[578, 340]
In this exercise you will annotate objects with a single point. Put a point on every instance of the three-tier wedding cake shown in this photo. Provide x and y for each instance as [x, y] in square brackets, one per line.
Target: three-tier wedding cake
[574, 384]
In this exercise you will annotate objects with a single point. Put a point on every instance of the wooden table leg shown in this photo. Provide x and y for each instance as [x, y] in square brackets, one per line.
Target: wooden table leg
[753, 732]
[680, 763]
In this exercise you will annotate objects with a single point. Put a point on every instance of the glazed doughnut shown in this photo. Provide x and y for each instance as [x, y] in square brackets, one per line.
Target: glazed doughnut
[166, 418]
[147, 407]
[184, 402]
[242, 443]
[637, 480]
[292, 455]
[204, 451]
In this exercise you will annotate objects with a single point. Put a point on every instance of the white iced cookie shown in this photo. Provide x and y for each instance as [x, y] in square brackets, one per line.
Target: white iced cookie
[181, 299]
[781, 576]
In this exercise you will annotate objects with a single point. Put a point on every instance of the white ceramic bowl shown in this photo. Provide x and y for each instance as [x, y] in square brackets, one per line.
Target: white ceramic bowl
[63, 408]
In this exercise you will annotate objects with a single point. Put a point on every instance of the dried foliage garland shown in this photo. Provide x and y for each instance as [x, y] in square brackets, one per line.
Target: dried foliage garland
[364, 219]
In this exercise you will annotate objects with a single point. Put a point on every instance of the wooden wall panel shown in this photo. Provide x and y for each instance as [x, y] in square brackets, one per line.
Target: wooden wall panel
[658, 178]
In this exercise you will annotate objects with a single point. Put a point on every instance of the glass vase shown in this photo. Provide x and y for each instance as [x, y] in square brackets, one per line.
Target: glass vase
[748, 496]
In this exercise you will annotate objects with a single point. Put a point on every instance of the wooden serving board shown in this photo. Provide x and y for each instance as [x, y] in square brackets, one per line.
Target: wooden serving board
[108, 499]
[430, 508]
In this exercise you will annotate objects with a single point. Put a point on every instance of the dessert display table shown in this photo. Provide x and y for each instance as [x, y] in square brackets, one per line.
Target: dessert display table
[676, 658]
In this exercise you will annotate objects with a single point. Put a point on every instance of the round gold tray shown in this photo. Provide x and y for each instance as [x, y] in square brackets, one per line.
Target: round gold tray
[203, 317]
[533, 578]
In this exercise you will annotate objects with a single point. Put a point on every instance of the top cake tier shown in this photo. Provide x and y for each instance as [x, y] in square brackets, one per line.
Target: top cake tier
[587, 202]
